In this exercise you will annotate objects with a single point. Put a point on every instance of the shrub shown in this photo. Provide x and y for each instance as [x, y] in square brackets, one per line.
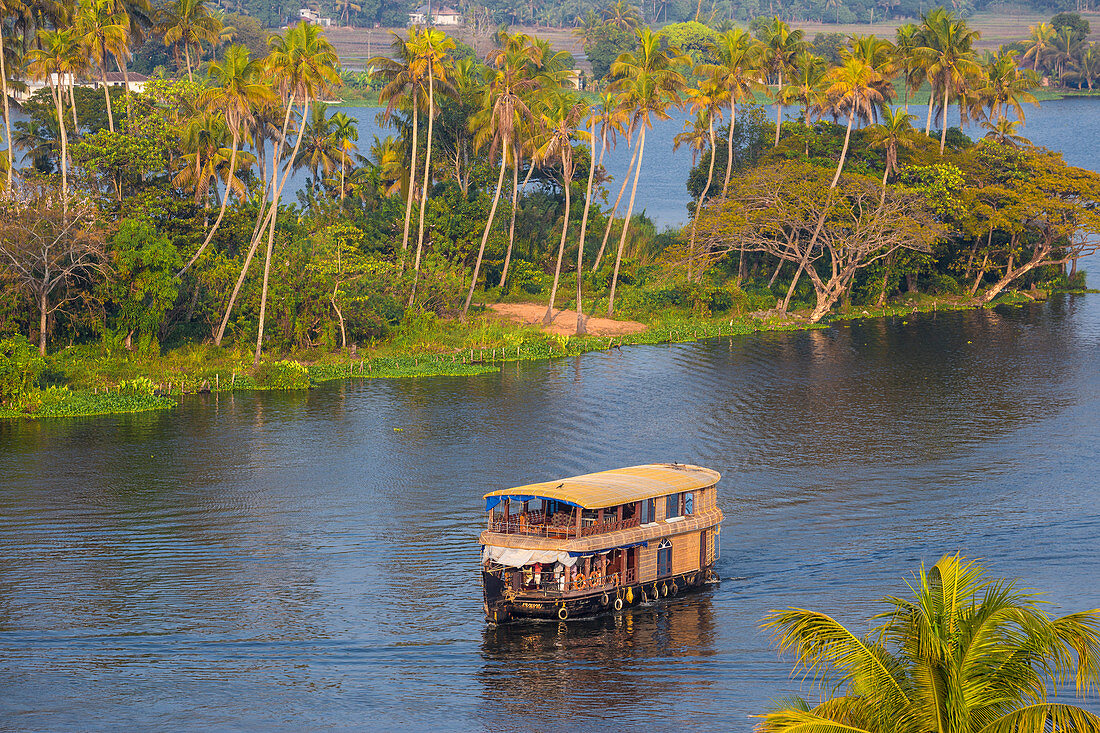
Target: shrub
[139, 387]
[21, 367]
[282, 375]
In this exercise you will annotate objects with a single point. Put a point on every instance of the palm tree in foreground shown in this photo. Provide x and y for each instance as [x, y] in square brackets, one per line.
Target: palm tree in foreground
[963, 652]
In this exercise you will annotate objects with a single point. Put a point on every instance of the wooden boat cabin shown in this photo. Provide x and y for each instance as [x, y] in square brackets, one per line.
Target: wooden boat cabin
[578, 546]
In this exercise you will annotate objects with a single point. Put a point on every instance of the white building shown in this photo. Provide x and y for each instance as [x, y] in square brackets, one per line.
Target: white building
[440, 16]
[114, 79]
[313, 18]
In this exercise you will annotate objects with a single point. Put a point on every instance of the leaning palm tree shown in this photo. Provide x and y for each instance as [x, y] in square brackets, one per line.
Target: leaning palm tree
[613, 117]
[104, 33]
[187, 24]
[432, 61]
[238, 89]
[48, 63]
[894, 132]
[1039, 45]
[8, 8]
[503, 109]
[303, 66]
[706, 101]
[559, 128]
[738, 66]
[854, 86]
[651, 82]
[404, 88]
[907, 39]
[961, 652]
[781, 47]
[951, 60]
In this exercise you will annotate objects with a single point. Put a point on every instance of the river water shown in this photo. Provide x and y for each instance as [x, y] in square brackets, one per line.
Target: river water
[309, 560]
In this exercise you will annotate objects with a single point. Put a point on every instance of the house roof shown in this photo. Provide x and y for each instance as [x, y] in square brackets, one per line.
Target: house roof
[437, 11]
[116, 77]
[619, 486]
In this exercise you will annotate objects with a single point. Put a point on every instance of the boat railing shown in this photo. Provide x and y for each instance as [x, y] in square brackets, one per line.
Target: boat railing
[562, 586]
[536, 524]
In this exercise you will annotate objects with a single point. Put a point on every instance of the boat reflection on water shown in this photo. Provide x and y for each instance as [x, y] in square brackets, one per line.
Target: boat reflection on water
[642, 664]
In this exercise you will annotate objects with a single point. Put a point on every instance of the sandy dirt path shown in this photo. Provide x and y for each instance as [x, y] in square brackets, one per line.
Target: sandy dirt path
[564, 322]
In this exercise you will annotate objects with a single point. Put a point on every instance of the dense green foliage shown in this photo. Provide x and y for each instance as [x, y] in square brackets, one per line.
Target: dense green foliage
[144, 225]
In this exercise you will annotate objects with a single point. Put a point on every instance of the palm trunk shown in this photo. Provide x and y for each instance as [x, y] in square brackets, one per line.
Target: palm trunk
[72, 103]
[225, 200]
[7, 114]
[515, 204]
[123, 66]
[187, 56]
[928, 120]
[107, 92]
[56, 94]
[567, 176]
[424, 195]
[615, 210]
[412, 183]
[581, 330]
[485, 234]
[702, 198]
[271, 231]
[626, 224]
[729, 149]
[943, 132]
[778, 109]
[844, 150]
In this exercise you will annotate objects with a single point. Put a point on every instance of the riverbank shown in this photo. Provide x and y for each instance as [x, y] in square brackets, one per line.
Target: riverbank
[94, 379]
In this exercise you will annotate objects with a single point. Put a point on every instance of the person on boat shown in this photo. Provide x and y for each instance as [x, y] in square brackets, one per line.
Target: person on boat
[537, 569]
[527, 576]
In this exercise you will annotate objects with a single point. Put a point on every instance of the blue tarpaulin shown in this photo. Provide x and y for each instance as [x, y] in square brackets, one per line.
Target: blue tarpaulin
[492, 501]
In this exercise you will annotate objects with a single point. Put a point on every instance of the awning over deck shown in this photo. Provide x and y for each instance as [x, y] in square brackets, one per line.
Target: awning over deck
[611, 488]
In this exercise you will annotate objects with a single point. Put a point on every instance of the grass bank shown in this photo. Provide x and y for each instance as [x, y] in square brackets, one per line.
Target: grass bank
[95, 379]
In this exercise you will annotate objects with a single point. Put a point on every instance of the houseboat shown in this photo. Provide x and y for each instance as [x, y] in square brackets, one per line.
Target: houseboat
[599, 542]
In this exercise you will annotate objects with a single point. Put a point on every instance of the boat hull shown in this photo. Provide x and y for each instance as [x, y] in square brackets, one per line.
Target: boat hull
[501, 607]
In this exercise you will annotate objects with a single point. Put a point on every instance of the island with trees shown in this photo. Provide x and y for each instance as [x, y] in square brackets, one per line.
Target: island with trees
[155, 240]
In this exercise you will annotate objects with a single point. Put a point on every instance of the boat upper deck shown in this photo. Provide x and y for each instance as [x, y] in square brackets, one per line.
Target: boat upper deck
[598, 504]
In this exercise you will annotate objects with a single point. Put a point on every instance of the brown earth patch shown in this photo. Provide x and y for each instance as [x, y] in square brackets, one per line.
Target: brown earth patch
[564, 322]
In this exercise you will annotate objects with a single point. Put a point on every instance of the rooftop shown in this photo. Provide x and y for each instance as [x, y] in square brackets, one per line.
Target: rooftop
[619, 486]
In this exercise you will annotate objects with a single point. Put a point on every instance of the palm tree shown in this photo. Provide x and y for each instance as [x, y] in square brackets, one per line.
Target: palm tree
[1004, 131]
[202, 139]
[188, 23]
[318, 152]
[1007, 86]
[808, 84]
[1065, 48]
[738, 57]
[503, 108]
[611, 116]
[559, 126]
[651, 83]
[855, 87]
[101, 31]
[1038, 46]
[237, 91]
[10, 8]
[303, 66]
[345, 132]
[47, 63]
[906, 59]
[950, 57]
[138, 16]
[403, 88]
[594, 120]
[962, 651]
[781, 47]
[432, 62]
[622, 15]
[385, 157]
[895, 131]
[706, 101]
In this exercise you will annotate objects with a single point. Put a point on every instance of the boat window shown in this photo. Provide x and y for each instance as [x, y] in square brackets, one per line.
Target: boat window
[649, 511]
[672, 506]
[689, 503]
[664, 558]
